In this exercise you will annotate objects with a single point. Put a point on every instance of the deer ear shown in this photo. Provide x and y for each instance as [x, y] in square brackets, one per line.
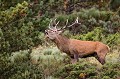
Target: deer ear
[60, 32]
[46, 31]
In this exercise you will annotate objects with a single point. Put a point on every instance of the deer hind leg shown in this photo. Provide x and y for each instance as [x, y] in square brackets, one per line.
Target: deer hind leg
[100, 59]
[101, 56]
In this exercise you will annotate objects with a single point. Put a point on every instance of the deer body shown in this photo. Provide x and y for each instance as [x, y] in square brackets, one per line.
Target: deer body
[78, 48]
[62, 43]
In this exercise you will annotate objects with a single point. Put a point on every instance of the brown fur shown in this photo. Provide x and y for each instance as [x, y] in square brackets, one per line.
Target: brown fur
[77, 48]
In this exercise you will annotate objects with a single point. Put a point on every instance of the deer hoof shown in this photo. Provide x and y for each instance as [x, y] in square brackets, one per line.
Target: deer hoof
[73, 61]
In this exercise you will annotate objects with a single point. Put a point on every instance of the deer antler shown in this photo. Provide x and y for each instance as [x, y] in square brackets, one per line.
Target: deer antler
[76, 22]
[55, 26]
[65, 24]
[51, 24]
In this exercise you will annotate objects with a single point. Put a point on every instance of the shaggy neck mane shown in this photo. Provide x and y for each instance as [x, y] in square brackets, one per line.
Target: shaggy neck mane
[62, 43]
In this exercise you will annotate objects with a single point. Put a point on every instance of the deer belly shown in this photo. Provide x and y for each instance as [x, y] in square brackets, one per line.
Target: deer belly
[85, 51]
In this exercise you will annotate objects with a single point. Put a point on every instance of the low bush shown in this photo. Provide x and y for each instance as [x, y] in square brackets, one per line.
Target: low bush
[114, 5]
[91, 18]
[49, 59]
[18, 66]
[87, 70]
[98, 34]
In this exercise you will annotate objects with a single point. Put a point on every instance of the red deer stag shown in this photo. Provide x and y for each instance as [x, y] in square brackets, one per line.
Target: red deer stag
[76, 48]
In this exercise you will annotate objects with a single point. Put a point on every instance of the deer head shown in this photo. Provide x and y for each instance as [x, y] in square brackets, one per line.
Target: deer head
[53, 31]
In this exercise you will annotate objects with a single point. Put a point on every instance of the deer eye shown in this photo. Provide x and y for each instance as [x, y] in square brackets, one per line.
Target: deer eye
[53, 31]
[46, 33]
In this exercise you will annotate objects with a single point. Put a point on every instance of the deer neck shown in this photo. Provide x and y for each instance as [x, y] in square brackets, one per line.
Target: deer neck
[62, 43]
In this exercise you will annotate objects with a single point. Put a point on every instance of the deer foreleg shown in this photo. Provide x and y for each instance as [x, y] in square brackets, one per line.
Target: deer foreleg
[76, 59]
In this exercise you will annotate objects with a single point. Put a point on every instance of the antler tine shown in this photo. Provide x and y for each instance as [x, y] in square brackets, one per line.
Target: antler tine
[76, 22]
[65, 24]
[54, 21]
[50, 25]
[56, 24]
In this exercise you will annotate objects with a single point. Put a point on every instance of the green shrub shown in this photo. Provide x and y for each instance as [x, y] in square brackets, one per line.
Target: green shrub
[89, 71]
[113, 39]
[49, 59]
[98, 34]
[114, 4]
[91, 18]
[75, 71]
[5, 65]
[95, 35]
[19, 56]
[18, 66]
[21, 30]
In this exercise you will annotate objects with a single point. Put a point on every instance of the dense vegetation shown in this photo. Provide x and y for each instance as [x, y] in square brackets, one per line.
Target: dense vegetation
[25, 54]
